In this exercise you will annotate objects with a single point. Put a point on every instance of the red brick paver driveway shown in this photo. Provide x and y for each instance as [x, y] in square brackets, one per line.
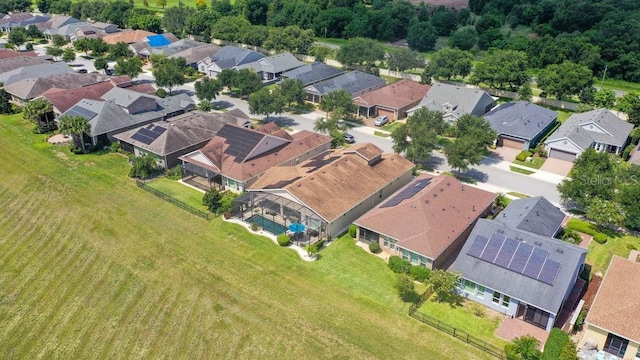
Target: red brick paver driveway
[557, 166]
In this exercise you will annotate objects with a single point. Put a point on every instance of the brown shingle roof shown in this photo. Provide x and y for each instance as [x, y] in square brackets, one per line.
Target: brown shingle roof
[395, 96]
[615, 307]
[429, 221]
[64, 99]
[13, 63]
[128, 37]
[197, 53]
[335, 181]
[31, 88]
[7, 54]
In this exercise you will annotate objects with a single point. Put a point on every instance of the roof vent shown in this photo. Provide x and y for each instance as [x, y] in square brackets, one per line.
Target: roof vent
[560, 251]
[501, 231]
[519, 238]
[538, 243]
[413, 206]
[441, 189]
[435, 195]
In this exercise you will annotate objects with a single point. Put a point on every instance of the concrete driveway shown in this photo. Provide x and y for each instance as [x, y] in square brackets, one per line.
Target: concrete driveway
[505, 153]
[557, 166]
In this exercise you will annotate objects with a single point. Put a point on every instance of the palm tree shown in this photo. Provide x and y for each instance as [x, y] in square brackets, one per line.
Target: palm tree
[37, 111]
[527, 347]
[75, 126]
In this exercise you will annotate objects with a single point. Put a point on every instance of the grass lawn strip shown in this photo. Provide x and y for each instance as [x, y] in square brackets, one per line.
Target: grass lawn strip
[178, 191]
[92, 267]
[518, 195]
[520, 170]
[535, 163]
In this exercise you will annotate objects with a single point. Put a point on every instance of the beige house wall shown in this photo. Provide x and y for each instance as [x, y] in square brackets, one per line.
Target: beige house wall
[600, 336]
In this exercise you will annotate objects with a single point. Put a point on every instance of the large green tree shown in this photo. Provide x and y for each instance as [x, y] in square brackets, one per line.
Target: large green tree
[335, 100]
[404, 59]
[592, 176]
[54, 51]
[175, 20]
[266, 102]
[148, 22]
[40, 111]
[422, 36]
[17, 36]
[247, 82]
[630, 104]
[443, 283]
[334, 126]
[5, 104]
[207, 89]
[473, 135]
[501, 68]
[75, 126]
[230, 28]
[68, 55]
[527, 347]
[419, 136]
[463, 39]
[169, 72]
[131, 67]
[292, 91]
[450, 62]
[360, 51]
[565, 80]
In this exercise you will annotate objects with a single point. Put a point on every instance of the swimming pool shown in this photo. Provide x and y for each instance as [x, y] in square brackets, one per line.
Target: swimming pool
[269, 225]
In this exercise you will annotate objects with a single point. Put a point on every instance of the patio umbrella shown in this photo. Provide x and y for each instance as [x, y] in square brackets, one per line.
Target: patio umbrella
[296, 227]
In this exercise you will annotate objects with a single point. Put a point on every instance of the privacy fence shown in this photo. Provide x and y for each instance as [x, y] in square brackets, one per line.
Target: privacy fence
[176, 202]
[457, 333]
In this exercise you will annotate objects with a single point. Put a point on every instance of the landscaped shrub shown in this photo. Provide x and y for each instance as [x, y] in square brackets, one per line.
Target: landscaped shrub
[399, 265]
[175, 173]
[587, 228]
[255, 226]
[510, 352]
[405, 287]
[524, 155]
[115, 146]
[143, 166]
[353, 229]
[477, 309]
[571, 236]
[554, 345]
[627, 151]
[226, 201]
[600, 238]
[580, 320]
[374, 247]
[284, 240]
[161, 93]
[419, 273]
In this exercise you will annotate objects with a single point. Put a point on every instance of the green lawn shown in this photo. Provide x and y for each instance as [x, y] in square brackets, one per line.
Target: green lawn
[179, 192]
[521, 170]
[93, 267]
[599, 255]
[535, 163]
[462, 318]
[392, 126]
[518, 195]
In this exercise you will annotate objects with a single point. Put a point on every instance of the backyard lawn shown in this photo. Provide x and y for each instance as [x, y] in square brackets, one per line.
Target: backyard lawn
[93, 267]
[179, 192]
[599, 255]
[462, 317]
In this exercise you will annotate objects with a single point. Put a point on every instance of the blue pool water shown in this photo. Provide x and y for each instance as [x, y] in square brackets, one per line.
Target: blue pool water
[269, 225]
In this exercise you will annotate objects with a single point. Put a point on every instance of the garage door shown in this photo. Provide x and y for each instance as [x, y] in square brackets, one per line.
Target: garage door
[562, 155]
[511, 143]
[390, 114]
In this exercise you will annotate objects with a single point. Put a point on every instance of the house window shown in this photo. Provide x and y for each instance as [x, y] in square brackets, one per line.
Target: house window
[423, 261]
[505, 301]
[414, 258]
[389, 242]
[496, 297]
[469, 286]
[480, 291]
[616, 345]
[405, 254]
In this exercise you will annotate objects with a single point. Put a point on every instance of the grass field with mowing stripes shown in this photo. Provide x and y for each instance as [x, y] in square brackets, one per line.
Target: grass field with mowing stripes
[93, 267]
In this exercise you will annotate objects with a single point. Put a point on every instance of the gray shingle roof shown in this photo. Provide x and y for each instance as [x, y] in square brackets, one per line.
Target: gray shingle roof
[124, 97]
[274, 64]
[351, 82]
[536, 215]
[459, 100]
[312, 73]
[231, 56]
[197, 53]
[531, 291]
[576, 129]
[521, 119]
[33, 87]
[20, 68]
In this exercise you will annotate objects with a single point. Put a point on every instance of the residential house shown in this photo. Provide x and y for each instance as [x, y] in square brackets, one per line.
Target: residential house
[325, 193]
[128, 36]
[25, 90]
[536, 215]
[599, 129]
[168, 140]
[427, 221]
[312, 73]
[61, 25]
[122, 109]
[195, 54]
[454, 101]
[97, 30]
[16, 62]
[155, 44]
[271, 68]
[33, 70]
[10, 21]
[612, 319]
[513, 265]
[8, 53]
[237, 156]
[355, 83]
[229, 57]
[392, 100]
[521, 124]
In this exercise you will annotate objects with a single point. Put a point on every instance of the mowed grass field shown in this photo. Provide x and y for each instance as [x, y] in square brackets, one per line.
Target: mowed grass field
[92, 267]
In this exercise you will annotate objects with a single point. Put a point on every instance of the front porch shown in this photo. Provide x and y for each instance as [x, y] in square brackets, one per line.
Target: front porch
[279, 215]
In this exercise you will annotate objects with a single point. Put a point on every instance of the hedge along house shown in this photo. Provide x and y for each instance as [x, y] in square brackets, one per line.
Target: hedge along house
[237, 156]
[612, 321]
[392, 100]
[521, 124]
[427, 221]
[518, 273]
[325, 193]
[168, 140]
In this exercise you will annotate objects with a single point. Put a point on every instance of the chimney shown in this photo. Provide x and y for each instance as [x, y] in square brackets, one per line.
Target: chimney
[474, 208]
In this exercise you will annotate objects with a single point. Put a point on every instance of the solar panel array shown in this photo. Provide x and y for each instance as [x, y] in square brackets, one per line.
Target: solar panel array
[240, 141]
[407, 192]
[148, 134]
[82, 112]
[516, 256]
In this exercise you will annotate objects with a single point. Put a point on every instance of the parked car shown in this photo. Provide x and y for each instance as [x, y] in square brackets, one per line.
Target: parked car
[110, 72]
[349, 139]
[82, 71]
[381, 120]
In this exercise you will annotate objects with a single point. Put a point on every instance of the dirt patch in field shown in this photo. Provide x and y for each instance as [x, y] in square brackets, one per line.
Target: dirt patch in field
[59, 139]
[61, 155]
[456, 4]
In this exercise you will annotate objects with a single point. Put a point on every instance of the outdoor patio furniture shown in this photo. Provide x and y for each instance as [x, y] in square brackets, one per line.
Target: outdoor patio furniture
[600, 355]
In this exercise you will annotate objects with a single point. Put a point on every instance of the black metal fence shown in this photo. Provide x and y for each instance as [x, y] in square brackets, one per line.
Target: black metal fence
[205, 215]
[457, 333]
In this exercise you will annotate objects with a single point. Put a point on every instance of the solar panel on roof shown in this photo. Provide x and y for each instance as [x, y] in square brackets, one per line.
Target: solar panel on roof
[408, 192]
[477, 246]
[492, 248]
[506, 252]
[549, 272]
[535, 263]
[141, 138]
[240, 141]
[520, 258]
[82, 112]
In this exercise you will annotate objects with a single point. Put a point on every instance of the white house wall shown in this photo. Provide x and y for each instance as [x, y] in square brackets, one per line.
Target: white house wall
[564, 145]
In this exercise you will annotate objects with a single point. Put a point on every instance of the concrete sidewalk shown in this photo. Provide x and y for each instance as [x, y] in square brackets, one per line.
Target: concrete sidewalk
[537, 174]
